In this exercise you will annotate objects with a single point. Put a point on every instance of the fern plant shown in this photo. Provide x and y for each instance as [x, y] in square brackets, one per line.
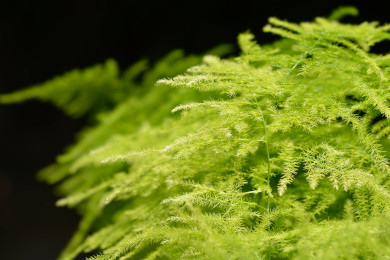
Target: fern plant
[278, 153]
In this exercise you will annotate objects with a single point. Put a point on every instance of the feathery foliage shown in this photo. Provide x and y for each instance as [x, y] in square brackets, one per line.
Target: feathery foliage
[279, 153]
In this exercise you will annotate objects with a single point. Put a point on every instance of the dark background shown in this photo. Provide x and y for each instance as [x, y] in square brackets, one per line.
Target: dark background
[41, 39]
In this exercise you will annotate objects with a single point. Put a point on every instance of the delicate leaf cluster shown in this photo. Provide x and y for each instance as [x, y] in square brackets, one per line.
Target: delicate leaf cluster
[279, 153]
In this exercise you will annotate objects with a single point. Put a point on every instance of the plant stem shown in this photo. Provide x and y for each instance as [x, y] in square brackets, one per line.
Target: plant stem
[267, 151]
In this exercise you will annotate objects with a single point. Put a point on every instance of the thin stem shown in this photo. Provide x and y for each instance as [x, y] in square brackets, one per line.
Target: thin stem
[295, 65]
[267, 151]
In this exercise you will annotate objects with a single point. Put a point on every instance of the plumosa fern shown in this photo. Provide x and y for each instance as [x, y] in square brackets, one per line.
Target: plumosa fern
[279, 153]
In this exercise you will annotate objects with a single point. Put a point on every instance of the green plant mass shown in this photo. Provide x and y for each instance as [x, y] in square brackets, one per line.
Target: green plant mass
[279, 153]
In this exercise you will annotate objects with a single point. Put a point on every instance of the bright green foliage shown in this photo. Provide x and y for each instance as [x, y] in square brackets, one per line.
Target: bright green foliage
[280, 153]
[77, 93]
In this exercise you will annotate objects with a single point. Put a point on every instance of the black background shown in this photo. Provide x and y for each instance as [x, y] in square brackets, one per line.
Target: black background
[41, 39]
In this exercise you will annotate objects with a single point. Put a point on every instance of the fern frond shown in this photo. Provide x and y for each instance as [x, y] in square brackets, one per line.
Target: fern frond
[184, 159]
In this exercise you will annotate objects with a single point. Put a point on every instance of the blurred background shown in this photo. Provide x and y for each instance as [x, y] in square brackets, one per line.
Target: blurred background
[42, 39]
